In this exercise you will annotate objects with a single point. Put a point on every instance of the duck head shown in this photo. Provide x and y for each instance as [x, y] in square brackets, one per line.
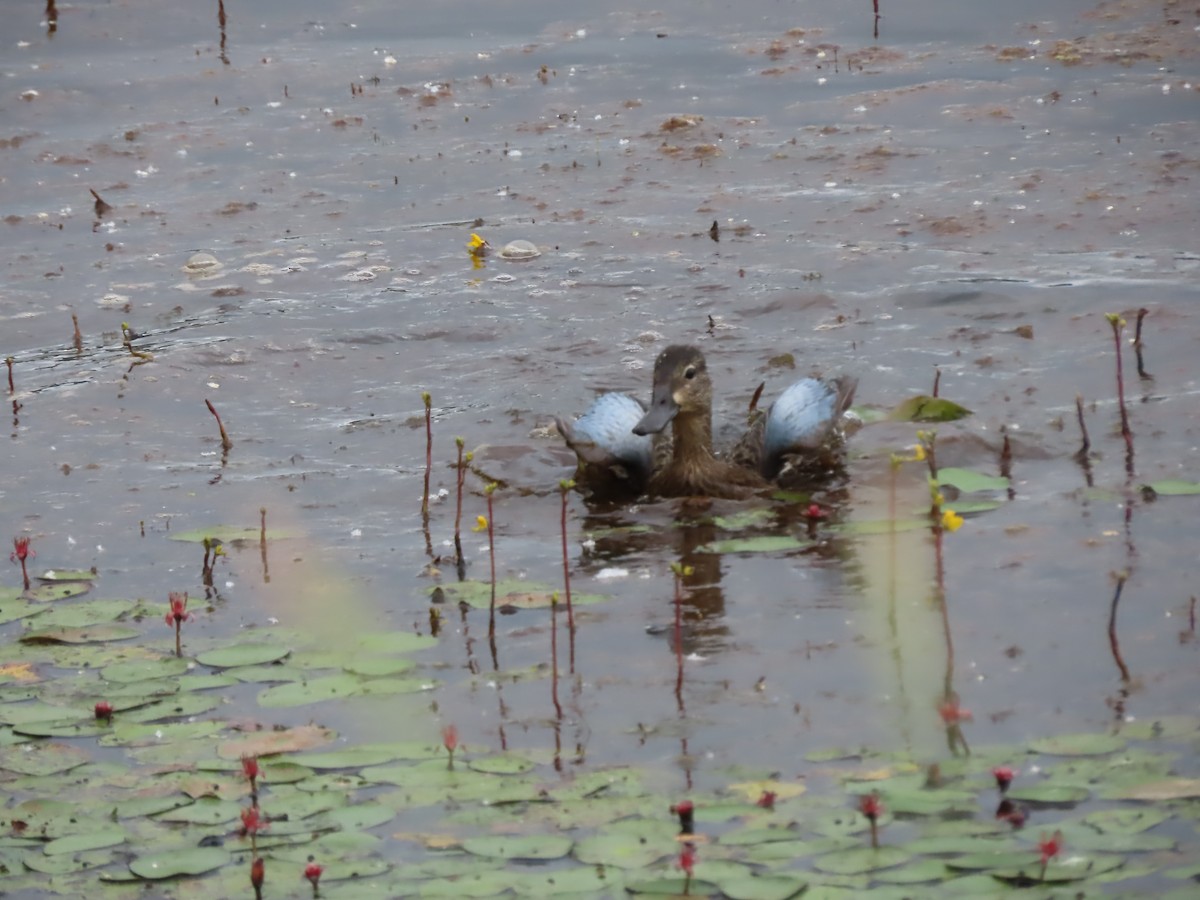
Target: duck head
[681, 388]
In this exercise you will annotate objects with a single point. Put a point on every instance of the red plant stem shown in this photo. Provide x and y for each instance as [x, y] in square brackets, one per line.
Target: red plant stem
[1126, 432]
[1112, 629]
[937, 379]
[458, 503]
[9, 362]
[428, 450]
[564, 487]
[24, 573]
[226, 443]
[554, 656]
[178, 637]
[679, 637]
[874, 834]
[492, 561]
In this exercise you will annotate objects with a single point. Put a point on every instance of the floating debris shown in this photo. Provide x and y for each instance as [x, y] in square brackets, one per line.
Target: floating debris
[202, 264]
[520, 250]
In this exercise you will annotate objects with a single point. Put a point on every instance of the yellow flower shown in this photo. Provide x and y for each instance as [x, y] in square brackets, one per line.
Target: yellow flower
[918, 453]
[480, 523]
[951, 520]
[477, 245]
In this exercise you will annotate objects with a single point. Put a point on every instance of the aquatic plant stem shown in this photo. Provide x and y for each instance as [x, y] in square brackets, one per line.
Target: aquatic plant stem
[564, 488]
[1117, 324]
[1138, 346]
[428, 401]
[1112, 627]
[8, 361]
[489, 490]
[554, 655]
[226, 443]
[78, 338]
[460, 476]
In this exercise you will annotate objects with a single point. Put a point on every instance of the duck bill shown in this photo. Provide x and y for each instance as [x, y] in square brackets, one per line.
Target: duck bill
[663, 409]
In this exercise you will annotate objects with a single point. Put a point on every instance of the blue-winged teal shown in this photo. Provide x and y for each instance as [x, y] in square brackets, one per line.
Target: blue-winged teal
[618, 440]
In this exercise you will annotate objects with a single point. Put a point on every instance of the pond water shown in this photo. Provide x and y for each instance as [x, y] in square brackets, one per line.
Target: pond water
[967, 192]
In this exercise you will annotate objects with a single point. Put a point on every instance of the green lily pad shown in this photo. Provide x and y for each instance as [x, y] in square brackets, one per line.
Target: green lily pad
[179, 861]
[249, 654]
[13, 607]
[501, 765]
[514, 594]
[540, 847]
[1050, 794]
[230, 533]
[769, 543]
[396, 642]
[69, 575]
[860, 860]
[1173, 487]
[43, 758]
[48, 593]
[90, 634]
[336, 687]
[625, 851]
[145, 669]
[762, 887]
[93, 839]
[969, 482]
[923, 408]
[1078, 745]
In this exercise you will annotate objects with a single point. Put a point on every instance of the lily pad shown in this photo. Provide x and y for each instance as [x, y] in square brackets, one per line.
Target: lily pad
[769, 543]
[229, 533]
[336, 687]
[923, 408]
[249, 654]
[1050, 794]
[969, 482]
[179, 861]
[860, 860]
[1078, 745]
[540, 847]
[1173, 487]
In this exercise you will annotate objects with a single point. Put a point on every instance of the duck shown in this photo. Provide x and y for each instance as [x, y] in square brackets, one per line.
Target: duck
[622, 444]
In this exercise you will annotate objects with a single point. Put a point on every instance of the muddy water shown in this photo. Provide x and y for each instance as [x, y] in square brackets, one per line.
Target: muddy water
[964, 193]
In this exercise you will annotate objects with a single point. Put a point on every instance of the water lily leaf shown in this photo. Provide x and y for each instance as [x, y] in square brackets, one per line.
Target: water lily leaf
[88, 612]
[179, 861]
[920, 872]
[1074, 867]
[753, 790]
[230, 533]
[48, 593]
[923, 408]
[1161, 789]
[145, 669]
[1173, 487]
[673, 887]
[362, 755]
[397, 642]
[204, 811]
[90, 634]
[65, 864]
[769, 543]
[12, 607]
[541, 847]
[1050, 794]
[513, 593]
[1163, 728]
[1078, 745]
[1124, 820]
[41, 758]
[860, 860]
[28, 713]
[625, 851]
[93, 839]
[68, 575]
[501, 765]
[335, 687]
[969, 482]
[748, 837]
[269, 743]
[379, 667]
[997, 859]
[740, 521]
[762, 887]
[250, 654]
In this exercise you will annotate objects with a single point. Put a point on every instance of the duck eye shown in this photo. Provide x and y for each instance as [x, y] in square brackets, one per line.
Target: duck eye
[689, 373]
